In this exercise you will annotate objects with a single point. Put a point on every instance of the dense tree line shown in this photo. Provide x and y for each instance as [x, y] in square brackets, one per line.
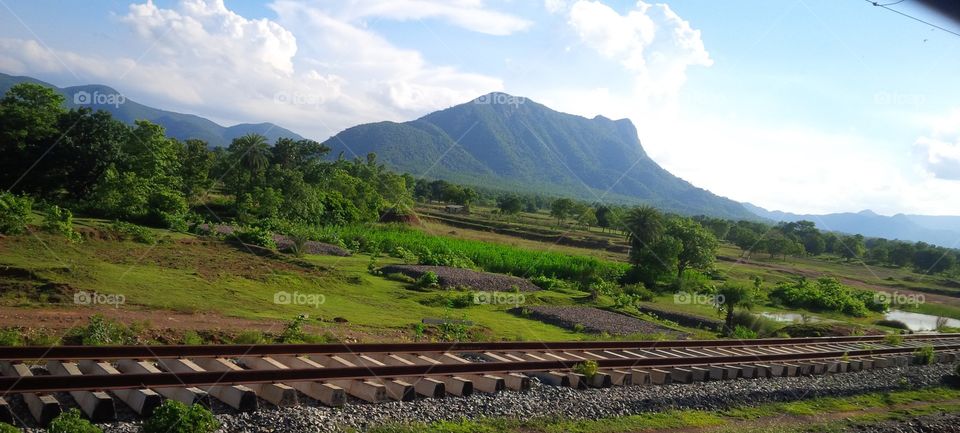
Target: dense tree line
[91, 162]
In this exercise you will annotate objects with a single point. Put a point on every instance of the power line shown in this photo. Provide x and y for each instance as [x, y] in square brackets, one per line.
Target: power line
[885, 6]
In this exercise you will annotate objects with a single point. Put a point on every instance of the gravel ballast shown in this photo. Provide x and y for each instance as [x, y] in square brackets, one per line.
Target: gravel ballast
[451, 278]
[544, 401]
[597, 320]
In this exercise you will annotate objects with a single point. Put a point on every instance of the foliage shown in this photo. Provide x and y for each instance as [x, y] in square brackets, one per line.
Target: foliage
[256, 236]
[639, 292]
[827, 294]
[175, 417]
[561, 209]
[59, 220]
[893, 339]
[14, 213]
[743, 333]
[250, 337]
[10, 337]
[550, 283]
[100, 331]
[129, 231]
[72, 422]
[428, 279]
[923, 355]
[587, 368]
[7, 428]
[731, 297]
[293, 330]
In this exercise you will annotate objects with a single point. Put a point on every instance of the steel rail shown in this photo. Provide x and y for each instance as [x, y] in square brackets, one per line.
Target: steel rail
[9, 353]
[47, 384]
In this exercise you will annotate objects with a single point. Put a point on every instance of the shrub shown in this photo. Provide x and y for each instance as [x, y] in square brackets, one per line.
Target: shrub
[639, 291]
[587, 368]
[428, 279]
[10, 337]
[72, 422]
[7, 428]
[250, 337]
[923, 355]
[100, 331]
[191, 338]
[14, 213]
[59, 220]
[743, 333]
[293, 331]
[128, 231]
[893, 339]
[175, 417]
[256, 236]
[827, 294]
[403, 278]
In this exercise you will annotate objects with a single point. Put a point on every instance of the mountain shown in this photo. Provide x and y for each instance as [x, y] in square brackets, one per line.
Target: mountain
[178, 125]
[508, 142]
[938, 230]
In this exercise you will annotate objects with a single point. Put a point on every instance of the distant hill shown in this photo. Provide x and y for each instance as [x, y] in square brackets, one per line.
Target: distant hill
[521, 145]
[178, 125]
[937, 230]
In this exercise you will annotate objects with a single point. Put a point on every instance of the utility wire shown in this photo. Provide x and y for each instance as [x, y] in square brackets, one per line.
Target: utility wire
[885, 6]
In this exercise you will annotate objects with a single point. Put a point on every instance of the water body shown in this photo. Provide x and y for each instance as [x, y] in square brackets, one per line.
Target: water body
[789, 317]
[918, 321]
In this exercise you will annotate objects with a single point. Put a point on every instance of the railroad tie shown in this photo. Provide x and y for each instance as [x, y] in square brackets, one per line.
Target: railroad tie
[366, 390]
[187, 395]
[98, 405]
[43, 407]
[143, 401]
[239, 397]
[276, 393]
[325, 393]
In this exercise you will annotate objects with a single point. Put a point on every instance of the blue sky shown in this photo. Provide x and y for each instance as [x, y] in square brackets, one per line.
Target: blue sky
[797, 105]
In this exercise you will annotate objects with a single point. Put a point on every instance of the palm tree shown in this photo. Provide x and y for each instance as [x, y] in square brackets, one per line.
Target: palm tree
[731, 297]
[644, 225]
[252, 152]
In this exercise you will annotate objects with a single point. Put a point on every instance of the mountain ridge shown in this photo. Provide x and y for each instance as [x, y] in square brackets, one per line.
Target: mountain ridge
[181, 126]
[523, 145]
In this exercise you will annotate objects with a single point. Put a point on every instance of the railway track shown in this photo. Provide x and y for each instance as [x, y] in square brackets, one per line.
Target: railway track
[99, 379]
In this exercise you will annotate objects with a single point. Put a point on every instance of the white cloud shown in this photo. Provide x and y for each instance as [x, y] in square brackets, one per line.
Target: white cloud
[939, 151]
[652, 42]
[469, 14]
[313, 70]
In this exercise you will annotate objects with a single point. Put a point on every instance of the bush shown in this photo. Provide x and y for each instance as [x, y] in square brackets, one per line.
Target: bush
[100, 332]
[59, 220]
[428, 279]
[403, 278]
[10, 337]
[923, 356]
[587, 368]
[14, 213]
[250, 337]
[192, 338]
[827, 294]
[893, 339]
[175, 417]
[71, 422]
[639, 291]
[256, 236]
[293, 331]
[128, 231]
[743, 333]
[7, 428]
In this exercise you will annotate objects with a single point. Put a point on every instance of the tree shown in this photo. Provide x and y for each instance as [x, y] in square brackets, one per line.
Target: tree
[195, 169]
[587, 217]
[851, 247]
[561, 209]
[729, 298]
[698, 246]
[250, 157]
[510, 204]
[602, 213]
[743, 238]
[901, 254]
[29, 117]
[651, 254]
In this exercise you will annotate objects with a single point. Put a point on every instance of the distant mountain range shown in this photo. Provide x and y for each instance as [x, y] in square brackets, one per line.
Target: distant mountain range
[178, 125]
[513, 143]
[938, 230]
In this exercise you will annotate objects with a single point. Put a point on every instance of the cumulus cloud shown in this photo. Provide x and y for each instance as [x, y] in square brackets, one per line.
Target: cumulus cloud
[315, 69]
[651, 41]
[469, 14]
[939, 151]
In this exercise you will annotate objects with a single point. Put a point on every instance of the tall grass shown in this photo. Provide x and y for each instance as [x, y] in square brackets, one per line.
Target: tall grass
[489, 257]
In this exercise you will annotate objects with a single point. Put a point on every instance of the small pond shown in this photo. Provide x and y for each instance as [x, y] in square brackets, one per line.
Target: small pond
[789, 317]
[919, 321]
